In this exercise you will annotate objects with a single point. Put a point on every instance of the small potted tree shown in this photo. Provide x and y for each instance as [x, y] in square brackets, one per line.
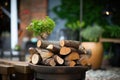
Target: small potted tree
[42, 27]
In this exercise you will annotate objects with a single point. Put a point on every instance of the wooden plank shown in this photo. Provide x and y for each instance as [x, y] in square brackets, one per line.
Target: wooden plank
[6, 69]
[19, 76]
[5, 77]
[109, 40]
[21, 67]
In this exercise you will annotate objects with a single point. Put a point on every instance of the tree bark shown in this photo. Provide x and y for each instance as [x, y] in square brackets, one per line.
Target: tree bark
[49, 62]
[58, 59]
[70, 43]
[45, 43]
[67, 50]
[36, 59]
[53, 48]
[44, 53]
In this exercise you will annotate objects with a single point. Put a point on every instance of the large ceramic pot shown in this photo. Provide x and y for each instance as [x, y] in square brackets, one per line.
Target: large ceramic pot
[97, 53]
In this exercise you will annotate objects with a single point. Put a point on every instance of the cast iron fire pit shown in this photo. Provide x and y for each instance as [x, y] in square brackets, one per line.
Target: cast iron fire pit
[59, 72]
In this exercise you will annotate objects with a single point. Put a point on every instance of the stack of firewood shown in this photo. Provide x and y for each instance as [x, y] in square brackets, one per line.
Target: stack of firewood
[59, 53]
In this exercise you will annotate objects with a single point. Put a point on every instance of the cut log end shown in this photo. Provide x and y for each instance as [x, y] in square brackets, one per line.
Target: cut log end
[65, 51]
[58, 59]
[72, 56]
[62, 43]
[39, 42]
[70, 63]
[36, 58]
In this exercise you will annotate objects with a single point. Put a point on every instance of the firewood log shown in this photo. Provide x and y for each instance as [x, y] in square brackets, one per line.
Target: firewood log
[70, 63]
[67, 50]
[83, 60]
[44, 53]
[32, 51]
[53, 48]
[72, 56]
[45, 43]
[70, 43]
[58, 59]
[49, 62]
[36, 59]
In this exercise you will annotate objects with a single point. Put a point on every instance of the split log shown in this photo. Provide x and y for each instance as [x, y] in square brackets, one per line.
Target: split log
[53, 48]
[36, 59]
[45, 43]
[83, 60]
[58, 59]
[70, 43]
[70, 63]
[32, 51]
[44, 53]
[49, 62]
[67, 50]
[72, 56]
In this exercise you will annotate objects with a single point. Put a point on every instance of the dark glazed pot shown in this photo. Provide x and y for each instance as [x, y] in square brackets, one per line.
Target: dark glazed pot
[59, 72]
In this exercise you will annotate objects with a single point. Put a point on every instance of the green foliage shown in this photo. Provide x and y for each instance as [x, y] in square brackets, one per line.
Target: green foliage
[41, 27]
[75, 25]
[92, 33]
[17, 47]
[92, 12]
[112, 31]
[69, 10]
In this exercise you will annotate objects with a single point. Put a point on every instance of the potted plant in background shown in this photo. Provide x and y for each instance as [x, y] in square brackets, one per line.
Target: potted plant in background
[90, 40]
[74, 28]
[92, 34]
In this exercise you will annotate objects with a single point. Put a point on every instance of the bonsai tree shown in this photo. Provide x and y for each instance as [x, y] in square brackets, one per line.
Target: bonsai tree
[42, 27]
